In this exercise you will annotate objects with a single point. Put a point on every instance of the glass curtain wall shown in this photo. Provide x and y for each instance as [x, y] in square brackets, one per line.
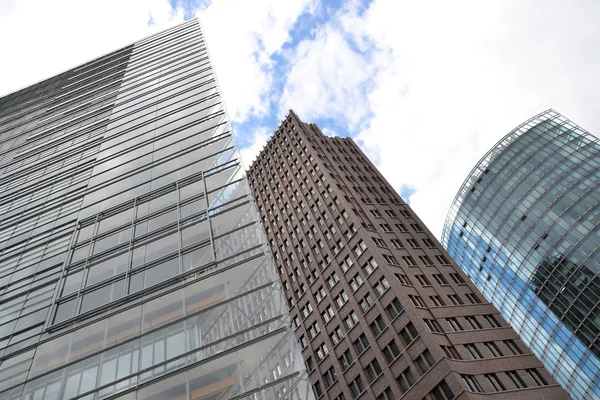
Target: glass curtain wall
[525, 226]
[132, 260]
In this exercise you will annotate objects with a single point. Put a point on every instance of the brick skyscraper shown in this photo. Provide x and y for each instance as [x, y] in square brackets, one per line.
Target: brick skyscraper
[380, 309]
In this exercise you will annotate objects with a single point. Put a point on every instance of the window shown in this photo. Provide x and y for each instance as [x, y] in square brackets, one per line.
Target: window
[474, 351]
[537, 377]
[337, 335]
[405, 380]
[377, 326]
[428, 242]
[451, 352]
[425, 361]
[416, 300]
[440, 279]
[386, 395]
[495, 382]
[416, 227]
[375, 213]
[437, 301]
[303, 341]
[473, 299]
[403, 279]
[442, 259]
[401, 227]
[409, 261]
[373, 370]
[366, 303]
[472, 383]
[386, 227]
[442, 392]
[370, 266]
[516, 379]
[379, 242]
[391, 351]
[512, 346]
[493, 348]
[313, 330]
[457, 278]
[390, 259]
[454, 324]
[359, 248]
[422, 279]
[426, 260]
[361, 344]
[413, 243]
[351, 320]
[346, 263]
[492, 321]
[409, 333]
[322, 351]
[396, 243]
[320, 294]
[455, 299]
[433, 325]
[332, 280]
[317, 389]
[341, 299]
[357, 387]
[473, 322]
[329, 377]
[356, 282]
[381, 286]
[309, 364]
[346, 359]
[328, 314]
[394, 308]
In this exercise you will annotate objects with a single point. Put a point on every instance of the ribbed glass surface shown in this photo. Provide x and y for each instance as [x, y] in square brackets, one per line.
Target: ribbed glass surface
[525, 226]
[132, 260]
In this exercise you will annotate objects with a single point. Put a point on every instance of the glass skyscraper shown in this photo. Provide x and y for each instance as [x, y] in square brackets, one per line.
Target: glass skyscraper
[132, 260]
[525, 226]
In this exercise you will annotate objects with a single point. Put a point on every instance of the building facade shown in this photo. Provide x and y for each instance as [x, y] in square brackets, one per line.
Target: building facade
[380, 309]
[525, 226]
[133, 264]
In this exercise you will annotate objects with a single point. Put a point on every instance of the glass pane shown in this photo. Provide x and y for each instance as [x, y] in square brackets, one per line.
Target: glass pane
[64, 311]
[95, 298]
[161, 272]
[195, 233]
[107, 269]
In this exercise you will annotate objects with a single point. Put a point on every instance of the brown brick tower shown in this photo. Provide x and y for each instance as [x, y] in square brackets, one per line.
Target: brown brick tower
[380, 309]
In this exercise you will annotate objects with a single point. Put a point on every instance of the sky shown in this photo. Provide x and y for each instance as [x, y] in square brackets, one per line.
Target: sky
[426, 88]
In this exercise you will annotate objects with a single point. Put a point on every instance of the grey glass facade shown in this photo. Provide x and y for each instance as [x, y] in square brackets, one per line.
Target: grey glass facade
[132, 260]
[525, 226]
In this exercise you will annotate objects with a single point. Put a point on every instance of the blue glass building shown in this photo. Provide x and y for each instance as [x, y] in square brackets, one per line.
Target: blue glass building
[525, 226]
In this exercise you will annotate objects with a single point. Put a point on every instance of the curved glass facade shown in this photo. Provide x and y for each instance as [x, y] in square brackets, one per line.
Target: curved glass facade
[525, 226]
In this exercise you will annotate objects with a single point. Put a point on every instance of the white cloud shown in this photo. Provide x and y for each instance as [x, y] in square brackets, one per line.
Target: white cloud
[327, 79]
[449, 79]
[328, 132]
[427, 87]
[259, 140]
[242, 37]
[43, 38]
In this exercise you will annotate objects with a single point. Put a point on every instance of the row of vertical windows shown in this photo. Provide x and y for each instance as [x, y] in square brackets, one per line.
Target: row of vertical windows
[497, 384]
